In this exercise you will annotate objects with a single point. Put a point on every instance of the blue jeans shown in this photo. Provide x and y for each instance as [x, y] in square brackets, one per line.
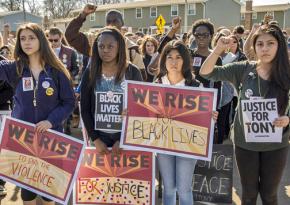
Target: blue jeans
[177, 175]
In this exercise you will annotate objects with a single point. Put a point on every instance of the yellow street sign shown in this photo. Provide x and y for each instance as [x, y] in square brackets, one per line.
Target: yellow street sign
[160, 21]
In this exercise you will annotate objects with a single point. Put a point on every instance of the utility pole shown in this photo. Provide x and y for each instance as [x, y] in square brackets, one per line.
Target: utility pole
[185, 16]
[24, 13]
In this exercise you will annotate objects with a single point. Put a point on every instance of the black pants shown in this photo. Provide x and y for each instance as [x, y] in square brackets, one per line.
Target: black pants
[260, 172]
[223, 123]
[109, 138]
[29, 196]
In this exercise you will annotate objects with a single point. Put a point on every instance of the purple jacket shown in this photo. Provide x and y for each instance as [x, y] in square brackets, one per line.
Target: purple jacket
[54, 107]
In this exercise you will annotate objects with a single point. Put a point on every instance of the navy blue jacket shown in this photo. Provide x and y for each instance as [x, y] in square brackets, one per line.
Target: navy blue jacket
[54, 108]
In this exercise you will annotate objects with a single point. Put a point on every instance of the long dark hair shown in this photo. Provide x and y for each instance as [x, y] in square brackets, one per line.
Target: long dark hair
[187, 61]
[96, 61]
[47, 55]
[280, 71]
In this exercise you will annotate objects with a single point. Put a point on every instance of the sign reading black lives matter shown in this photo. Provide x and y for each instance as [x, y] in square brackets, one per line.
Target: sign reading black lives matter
[213, 180]
[258, 117]
[109, 107]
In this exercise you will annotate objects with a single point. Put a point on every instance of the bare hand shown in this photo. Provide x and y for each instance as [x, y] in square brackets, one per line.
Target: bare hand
[176, 23]
[282, 121]
[267, 18]
[43, 126]
[215, 115]
[124, 112]
[101, 147]
[116, 150]
[89, 9]
[255, 27]
[223, 44]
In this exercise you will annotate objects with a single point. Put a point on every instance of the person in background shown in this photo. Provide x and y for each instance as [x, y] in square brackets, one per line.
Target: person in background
[176, 172]
[148, 49]
[6, 52]
[113, 18]
[239, 32]
[260, 164]
[6, 93]
[68, 56]
[43, 93]
[107, 72]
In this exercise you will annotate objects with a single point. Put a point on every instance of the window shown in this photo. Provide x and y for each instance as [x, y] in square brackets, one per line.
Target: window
[138, 13]
[93, 17]
[271, 13]
[191, 9]
[174, 10]
[153, 12]
[242, 16]
[254, 15]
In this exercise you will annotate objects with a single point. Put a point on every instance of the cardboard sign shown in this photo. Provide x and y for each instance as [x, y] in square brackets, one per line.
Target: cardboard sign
[169, 119]
[258, 116]
[107, 179]
[45, 163]
[4, 113]
[109, 107]
[213, 180]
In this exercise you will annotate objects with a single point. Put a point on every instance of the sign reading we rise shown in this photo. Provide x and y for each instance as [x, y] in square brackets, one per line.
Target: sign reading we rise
[45, 163]
[169, 119]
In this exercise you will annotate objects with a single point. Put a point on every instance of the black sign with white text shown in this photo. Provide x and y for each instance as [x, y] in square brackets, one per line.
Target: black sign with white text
[108, 113]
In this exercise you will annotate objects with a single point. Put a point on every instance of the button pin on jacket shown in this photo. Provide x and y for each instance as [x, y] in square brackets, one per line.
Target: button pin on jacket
[49, 91]
[45, 84]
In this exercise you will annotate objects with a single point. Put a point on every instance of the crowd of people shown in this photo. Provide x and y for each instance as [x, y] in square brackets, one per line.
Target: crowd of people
[45, 73]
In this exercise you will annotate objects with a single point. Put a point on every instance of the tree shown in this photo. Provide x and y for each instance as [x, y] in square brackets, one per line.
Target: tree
[33, 6]
[11, 5]
[59, 8]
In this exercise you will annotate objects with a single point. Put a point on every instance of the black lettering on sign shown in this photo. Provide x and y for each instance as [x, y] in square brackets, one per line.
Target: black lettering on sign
[213, 180]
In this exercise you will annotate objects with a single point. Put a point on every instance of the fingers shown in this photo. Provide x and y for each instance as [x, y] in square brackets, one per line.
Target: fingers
[281, 121]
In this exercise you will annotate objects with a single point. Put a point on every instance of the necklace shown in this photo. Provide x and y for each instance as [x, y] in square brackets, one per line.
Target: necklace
[259, 88]
[108, 78]
[110, 84]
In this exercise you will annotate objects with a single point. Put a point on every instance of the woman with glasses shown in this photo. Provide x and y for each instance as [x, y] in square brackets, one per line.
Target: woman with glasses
[5, 52]
[260, 164]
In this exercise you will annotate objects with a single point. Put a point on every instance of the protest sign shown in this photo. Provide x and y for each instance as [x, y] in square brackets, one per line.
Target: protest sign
[169, 119]
[258, 116]
[124, 179]
[213, 180]
[109, 107]
[45, 163]
[4, 113]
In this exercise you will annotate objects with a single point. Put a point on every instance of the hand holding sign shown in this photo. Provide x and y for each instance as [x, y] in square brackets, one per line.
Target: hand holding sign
[43, 126]
[101, 147]
[282, 121]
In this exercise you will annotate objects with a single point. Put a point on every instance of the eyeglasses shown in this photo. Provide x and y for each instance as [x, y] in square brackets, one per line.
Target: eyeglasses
[201, 35]
[4, 52]
[53, 40]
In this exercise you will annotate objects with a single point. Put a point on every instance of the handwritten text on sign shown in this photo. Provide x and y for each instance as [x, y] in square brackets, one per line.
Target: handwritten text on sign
[213, 180]
[44, 163]
[169, 119]
[108, 179]
[258, 116]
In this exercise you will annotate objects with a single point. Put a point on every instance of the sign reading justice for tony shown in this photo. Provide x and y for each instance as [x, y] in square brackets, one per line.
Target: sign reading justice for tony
[169, 119]
[258, 116]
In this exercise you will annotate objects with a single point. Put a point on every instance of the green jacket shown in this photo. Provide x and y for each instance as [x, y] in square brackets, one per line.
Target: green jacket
[244, 77]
